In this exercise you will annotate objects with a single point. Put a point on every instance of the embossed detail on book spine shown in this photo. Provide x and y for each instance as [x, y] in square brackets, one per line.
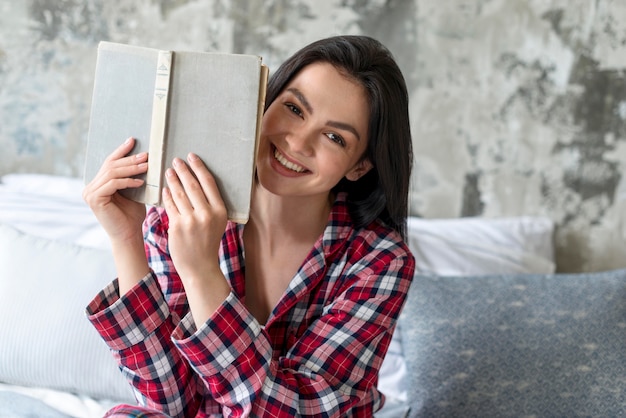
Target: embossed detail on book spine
[158, 127]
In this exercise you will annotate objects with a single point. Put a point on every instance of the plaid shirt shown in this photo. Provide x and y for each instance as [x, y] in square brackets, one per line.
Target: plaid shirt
[318, 354]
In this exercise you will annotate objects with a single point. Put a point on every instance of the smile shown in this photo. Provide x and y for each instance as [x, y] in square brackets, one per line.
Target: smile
[286, 163]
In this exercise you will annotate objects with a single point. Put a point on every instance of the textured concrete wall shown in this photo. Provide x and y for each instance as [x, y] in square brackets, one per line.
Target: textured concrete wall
[519, 109]
[518, 106]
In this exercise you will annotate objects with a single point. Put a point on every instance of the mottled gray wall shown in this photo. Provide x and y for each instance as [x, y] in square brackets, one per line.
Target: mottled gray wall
[518, 106]
[519, 109]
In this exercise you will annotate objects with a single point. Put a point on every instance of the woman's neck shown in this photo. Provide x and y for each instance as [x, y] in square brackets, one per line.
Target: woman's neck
[285, 219]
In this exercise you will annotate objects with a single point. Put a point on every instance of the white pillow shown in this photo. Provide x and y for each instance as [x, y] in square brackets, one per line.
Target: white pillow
[67, 188]
[468, 246]
[45, 338]
[50, 207]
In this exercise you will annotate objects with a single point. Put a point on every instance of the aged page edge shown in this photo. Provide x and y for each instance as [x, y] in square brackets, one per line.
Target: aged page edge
[242, 218]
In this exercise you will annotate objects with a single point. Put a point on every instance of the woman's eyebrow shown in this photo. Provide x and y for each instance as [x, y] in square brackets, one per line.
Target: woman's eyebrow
[301, 98]
[307, 105]
[345, 127]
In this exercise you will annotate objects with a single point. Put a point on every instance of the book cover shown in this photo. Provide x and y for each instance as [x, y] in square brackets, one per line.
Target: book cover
[176, 102]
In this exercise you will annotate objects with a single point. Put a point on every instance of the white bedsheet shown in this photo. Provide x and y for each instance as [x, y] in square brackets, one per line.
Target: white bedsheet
[50, 207]
[67, 403]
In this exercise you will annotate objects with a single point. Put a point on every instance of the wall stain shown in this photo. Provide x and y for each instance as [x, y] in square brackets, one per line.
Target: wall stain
[396, 27]
[535, 93]
[566, 34]
[168, 6]
[472, 198]
[3, 62]
[73, 19]
[597, 111]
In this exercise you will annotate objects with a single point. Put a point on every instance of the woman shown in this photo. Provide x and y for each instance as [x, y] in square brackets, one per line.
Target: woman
[303, 331]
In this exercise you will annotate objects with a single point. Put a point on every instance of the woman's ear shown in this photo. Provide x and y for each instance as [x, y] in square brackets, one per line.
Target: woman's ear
[359, 170]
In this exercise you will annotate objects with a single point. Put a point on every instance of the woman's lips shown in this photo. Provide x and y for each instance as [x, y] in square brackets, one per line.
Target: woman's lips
[281, 161]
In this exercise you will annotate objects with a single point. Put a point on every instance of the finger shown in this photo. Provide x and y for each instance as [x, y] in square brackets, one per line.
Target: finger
[122, 150]
[113, 185]
[169, 204]
[117, 172]
[106, 187]
[192, 186]
[177, 190]
[116, 159]
[124, 168]
[206, 180]
[120, 158]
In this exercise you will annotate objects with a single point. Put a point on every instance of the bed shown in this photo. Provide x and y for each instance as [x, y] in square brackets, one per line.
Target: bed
[487, 326]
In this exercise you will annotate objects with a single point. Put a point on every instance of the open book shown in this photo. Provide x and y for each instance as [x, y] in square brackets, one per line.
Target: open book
[176, 102]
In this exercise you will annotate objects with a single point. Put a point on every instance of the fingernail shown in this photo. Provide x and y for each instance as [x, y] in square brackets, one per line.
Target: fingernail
[192, 157]
[169, 172]
[176, 162]
[141, 155]
[128, 140]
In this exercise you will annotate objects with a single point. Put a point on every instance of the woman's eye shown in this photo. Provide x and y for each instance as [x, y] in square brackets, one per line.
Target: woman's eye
[336, 138]
[294, 109]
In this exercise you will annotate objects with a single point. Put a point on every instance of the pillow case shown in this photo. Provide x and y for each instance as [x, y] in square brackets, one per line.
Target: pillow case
[482, 245]
[516, 345]
[468, 246]
[45, 185]
[45, 338]
[50, 207]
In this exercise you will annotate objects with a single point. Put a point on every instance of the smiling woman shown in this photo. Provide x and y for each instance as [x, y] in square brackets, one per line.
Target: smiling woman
[382, 192]
[314, 134]
[292, 313]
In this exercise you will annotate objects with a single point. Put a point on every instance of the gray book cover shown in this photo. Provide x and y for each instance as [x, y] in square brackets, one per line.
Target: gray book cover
[176, 102]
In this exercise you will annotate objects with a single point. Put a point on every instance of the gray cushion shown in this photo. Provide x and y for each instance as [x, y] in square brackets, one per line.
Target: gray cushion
[517, 345]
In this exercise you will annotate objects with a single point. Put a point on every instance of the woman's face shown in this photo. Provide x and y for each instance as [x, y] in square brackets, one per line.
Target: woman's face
[314, 134]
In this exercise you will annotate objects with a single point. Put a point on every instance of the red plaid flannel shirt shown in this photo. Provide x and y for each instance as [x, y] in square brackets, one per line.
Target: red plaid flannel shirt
[318, 354]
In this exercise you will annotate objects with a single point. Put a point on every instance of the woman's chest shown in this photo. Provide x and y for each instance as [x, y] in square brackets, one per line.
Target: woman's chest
[268, 277]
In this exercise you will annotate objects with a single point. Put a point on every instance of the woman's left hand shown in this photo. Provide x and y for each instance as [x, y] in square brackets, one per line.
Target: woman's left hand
[197, 221]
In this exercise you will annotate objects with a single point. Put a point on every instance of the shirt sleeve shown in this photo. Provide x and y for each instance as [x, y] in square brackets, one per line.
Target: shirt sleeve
[331, 367]
[137, 328]
[155, 241]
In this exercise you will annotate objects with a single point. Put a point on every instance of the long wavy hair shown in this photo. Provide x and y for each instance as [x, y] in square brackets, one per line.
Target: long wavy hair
[382, 193]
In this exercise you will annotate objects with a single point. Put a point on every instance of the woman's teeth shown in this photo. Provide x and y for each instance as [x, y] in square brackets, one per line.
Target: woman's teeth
[288, 164]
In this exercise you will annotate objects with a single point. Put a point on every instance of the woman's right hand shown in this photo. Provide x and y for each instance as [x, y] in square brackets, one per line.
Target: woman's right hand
[120, 217]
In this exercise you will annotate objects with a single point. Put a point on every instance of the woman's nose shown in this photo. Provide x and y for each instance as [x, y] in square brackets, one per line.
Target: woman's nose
[301, 141]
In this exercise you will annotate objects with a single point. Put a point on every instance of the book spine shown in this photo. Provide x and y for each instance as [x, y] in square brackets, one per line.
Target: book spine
[154, 177]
